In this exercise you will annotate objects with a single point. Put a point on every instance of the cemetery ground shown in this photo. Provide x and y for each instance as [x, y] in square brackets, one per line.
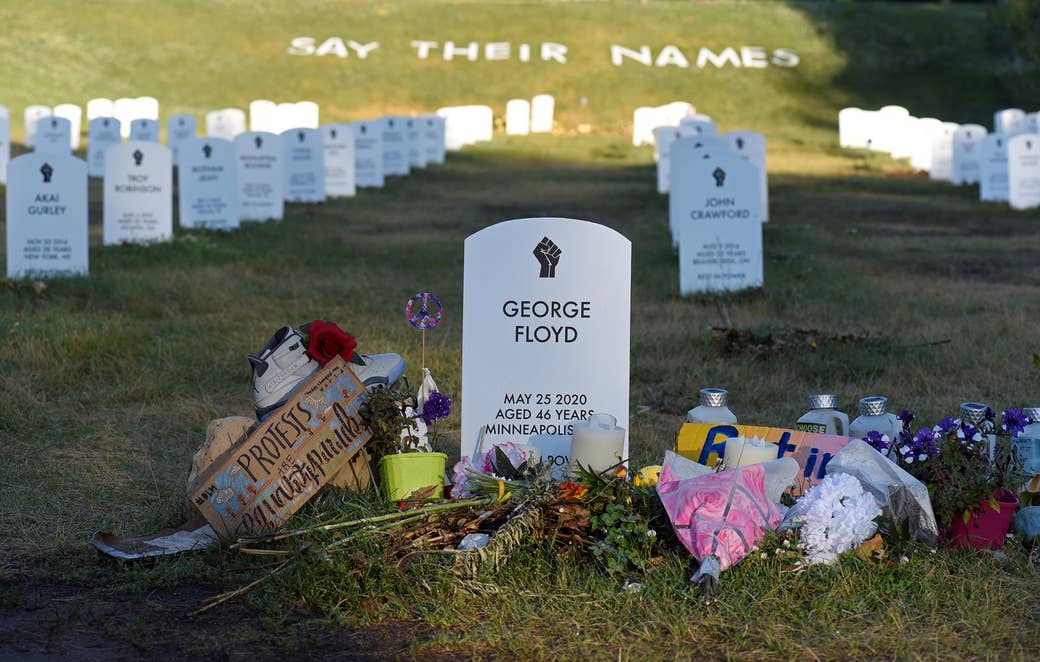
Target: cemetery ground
[877, 282]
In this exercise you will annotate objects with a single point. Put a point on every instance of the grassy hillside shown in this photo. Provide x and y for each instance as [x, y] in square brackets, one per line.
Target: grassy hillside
[196, 56]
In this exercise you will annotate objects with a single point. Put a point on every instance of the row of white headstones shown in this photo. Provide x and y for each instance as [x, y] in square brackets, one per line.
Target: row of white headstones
[1005, 163]
[718, 190]
[534, 116]
[220, 182]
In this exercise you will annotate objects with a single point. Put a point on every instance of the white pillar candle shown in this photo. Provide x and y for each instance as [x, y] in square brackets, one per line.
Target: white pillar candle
[741, 452]
[597, 443]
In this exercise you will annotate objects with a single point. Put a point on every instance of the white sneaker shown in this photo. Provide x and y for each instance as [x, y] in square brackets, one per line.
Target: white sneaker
[279, 368]
[379, 370]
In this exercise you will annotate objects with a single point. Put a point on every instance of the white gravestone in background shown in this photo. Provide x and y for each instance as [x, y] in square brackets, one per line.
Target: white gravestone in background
[52, 135]
[306, 115]
[686, 149]
[338, 140]
[259, 172]
[145, 130]
[304, 165]
[664, 138]
[543, 107]
[5, 145]
[850, 128]
[518, 117]
[416, 155]
[752, 146]
[100, 108]
[670, 114]
[179, 130]
[226, 123]
[900, 139]
[395, 146]
[717, 199]
[545, 329]
[1011, 121]
[146, 108]
[74, 114]
[993, 164]
[207, 184]
[284, 117]
[698, 125]
[125, 110]
[1032, 124]
[102, 133]
[454, 128]
[432, 136]
[642, 124]
[33, 114]
[967, 140]
[46, 216]
[483, 123]
[138, 193]
[262, 116]
[942, 153]
[1023, 171]
[888, 126]
[923, 135]
[368, 154]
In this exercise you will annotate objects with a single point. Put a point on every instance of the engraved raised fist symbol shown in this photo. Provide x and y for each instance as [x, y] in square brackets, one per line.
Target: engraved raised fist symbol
[720, 177]
[259, 142]
[548, 255]
[740, 143]
[46, 170]
[138, 157]
[207, 150]
[332, 132]
[300, 136]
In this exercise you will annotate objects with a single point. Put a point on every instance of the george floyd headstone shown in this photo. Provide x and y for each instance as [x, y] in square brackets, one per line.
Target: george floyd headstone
[5, 144]
[543, 106]
[74, 114]
[545, 326]
[124, 109]
[46, 216]
[687, 149]
[664, 137]
[395, 146]
[179, 130]
[262, 116]
[33, 114]
[138, 193]
[1023, 171]
[942, 153]
[698, 125]
[922, 136]
[1011, 121]
[717, 200]
[338, 140]
[100, 107]
[518, 117]
[102, 133]
[967, 140]
[368, 154]
[304, 165]
[207, 184]
[993, 168]
[259, 158]
[432, 137]
[226, 123]
[416, 154]
[143, 129]
[52, 135]
[752, 146]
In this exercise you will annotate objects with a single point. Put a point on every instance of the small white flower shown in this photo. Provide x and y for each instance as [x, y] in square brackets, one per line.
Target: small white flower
[787, 543]
[885, 438]
[904, 449]
[908, 460]
[650, 533]
[764, 555]
[904, 559]
[922, 457]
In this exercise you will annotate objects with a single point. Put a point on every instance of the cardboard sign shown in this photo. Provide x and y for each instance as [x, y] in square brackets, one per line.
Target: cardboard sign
[207, 184]
[368, 154]
[179, 130]
[304, 169]
[542, 108]
[967, 144]
[46, 216]
[432, 137]
[138, 193]
[518, 117]
[993, 172]
[144, 130]
[53, 135]
[102, 133]
[1024, 171]
[260, 482]
[74, 114]
[706, 444]
[664, 137]
[395, 146]
[259, 157]
[545, 330]
[942, 153]
[338, 140]
[752, 146]
[33, 114]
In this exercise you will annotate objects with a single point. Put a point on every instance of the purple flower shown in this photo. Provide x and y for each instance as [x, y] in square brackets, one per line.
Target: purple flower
[918, 447]
[945, 426]
[907, 417]
[460, 478]
[1014, 421]
[436, 407]
[877, 441]
[990, 414]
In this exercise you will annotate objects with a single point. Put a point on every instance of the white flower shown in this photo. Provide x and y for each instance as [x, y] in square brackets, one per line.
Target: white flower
[885, 438]
[904, 449]
[764, 555]
[909, 460]
[839, 515]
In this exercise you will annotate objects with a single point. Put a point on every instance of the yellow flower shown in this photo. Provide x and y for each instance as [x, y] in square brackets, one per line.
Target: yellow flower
[647, 476]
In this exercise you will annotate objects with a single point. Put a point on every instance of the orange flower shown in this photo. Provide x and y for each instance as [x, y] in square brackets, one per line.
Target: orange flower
[621, 472]
[572, 490]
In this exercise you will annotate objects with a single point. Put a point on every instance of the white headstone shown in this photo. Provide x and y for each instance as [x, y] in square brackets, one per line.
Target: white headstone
[144, 130]
[698, 125]
[670, 114]
[664, 137]
[100, 108]
[33, 114]
[179, 130]
[125, 110]
[900, 139]
[643, 120]
[416, 154]
[102, 133]
[52, 135]
[431, 135]
[967, 140]
[455, 125]
[687, 149]
[942, 153]
[146, 108]
[993, 164]
[888, 128]
[306, 114]
[304, 151]
[923, 134]
[1032, 123]
[752, 146]
[138, 193]
[1023, 171]
[226, 123]
[716, 199]
[285, 117]
[483, 123]
[259, 158]
[368, 154]
[395, 146]
[74, 114]
[1011, 121]
[262, 116]
[208, 184]
[545, 328]
[5, 146]
[543, 107]
[850, 128]
[518, 117]
[339, 160]
[46, 216]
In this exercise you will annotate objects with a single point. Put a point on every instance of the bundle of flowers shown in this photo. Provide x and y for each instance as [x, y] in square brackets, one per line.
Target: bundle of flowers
[836, 517]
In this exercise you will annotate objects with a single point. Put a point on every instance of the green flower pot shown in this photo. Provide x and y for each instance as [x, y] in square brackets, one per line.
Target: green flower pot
[410, 475]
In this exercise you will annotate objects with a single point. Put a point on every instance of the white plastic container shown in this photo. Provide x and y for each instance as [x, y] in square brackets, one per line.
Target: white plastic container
[712, 408]
[1027, 443]
[974, 413]
[823, 416]
[873, 415]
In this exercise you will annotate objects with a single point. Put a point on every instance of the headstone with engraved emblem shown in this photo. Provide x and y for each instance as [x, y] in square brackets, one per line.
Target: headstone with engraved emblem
[33, 115]
[1024, 171]
[967, 143]
[102, 133]
[138, 193]
[259, 159]
[145, 130]
[52, 135]
[304, 152]
[338, 140]
[993, 168]
[179, 129]
[207, 184]
[368, 154]
[395, 146]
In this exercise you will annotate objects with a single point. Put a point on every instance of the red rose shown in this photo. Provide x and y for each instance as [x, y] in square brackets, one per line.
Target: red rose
[327, 340]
